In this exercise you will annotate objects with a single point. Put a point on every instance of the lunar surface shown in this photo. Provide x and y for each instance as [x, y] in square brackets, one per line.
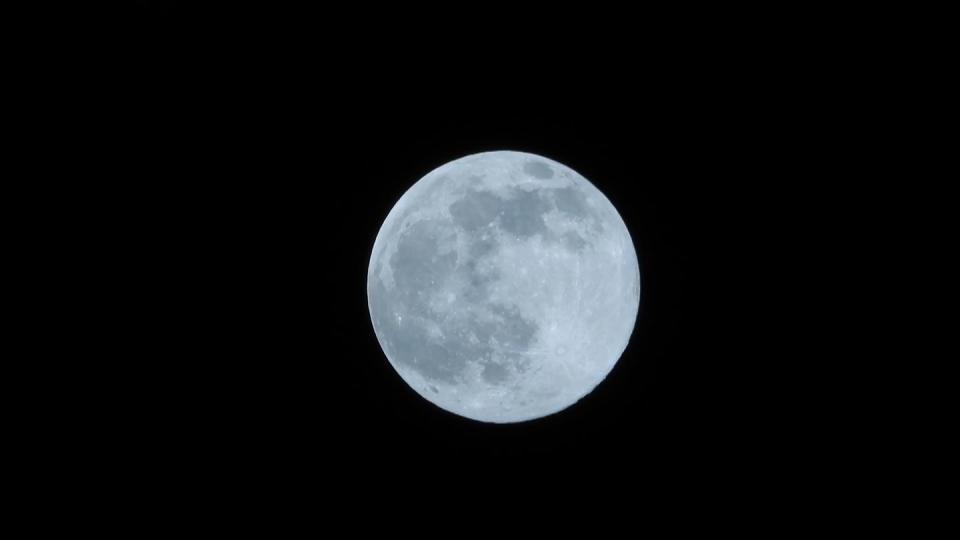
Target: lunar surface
[503, 287]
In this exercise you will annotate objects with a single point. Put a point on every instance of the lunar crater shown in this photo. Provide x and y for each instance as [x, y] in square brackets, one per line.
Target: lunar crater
[538, 169]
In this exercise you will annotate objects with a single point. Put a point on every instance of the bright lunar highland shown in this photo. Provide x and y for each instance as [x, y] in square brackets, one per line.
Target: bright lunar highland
[503, 286]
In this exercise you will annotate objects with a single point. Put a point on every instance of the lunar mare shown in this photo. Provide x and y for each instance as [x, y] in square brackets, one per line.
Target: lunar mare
[503, 286]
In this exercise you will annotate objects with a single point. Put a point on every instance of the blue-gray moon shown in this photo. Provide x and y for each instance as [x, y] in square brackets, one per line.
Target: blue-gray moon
[503, 286]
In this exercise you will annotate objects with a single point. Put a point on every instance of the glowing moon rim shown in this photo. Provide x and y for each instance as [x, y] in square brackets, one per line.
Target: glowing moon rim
[503, 286]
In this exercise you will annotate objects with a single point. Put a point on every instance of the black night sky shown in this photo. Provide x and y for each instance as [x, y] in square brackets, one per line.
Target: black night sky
[259, 153]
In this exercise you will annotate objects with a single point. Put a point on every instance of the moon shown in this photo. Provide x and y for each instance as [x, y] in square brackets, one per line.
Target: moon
[503, 287]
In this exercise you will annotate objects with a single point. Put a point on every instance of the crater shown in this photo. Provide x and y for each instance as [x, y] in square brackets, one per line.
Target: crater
[522, 214]
[482, 247]
[476, 209]
[513, 331]
[477, 286]
[495, 373]
[574, 203]
[571, 201]
[538, 169]
[573, 241]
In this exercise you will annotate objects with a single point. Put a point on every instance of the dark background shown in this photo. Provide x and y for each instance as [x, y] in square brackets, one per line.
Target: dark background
[259, 152]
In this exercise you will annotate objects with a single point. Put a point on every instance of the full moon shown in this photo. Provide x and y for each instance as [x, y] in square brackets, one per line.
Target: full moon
[503, 286]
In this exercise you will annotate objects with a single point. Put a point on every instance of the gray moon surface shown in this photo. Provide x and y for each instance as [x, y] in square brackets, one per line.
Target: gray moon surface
[503, 286]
